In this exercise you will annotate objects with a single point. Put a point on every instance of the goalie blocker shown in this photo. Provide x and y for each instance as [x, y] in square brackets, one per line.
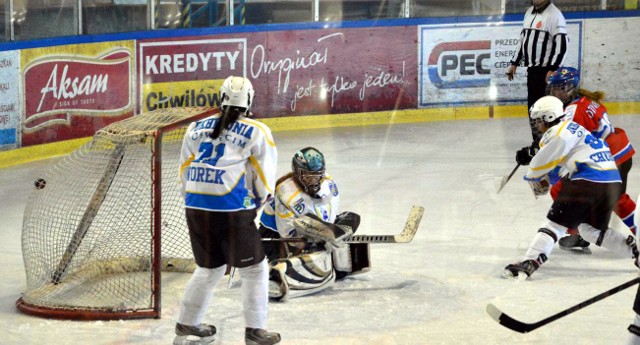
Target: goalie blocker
[318, 268]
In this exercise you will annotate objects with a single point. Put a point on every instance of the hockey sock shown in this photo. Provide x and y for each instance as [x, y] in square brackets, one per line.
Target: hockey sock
[542, 244]
[625, 209]
[610, 239]
[198, 294]
[544, 240]
[255, 294]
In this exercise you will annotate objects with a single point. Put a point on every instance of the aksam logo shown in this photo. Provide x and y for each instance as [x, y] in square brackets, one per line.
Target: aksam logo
[460, 64]
[59, 86]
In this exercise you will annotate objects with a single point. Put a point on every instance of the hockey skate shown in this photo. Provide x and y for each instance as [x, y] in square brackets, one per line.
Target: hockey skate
[194, 335]
[523, 270]
[575, 244]
[256, 336]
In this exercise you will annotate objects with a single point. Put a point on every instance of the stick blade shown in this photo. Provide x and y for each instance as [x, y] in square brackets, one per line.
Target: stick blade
[506, 178]
[504, 181]
[411, 227]
[507, 321]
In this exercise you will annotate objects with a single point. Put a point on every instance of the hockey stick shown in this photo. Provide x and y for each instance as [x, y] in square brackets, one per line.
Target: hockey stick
[506, 179]
[522, 327]
[407, 234]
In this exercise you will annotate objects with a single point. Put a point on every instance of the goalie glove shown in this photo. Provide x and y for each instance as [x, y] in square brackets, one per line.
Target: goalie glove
[317, 230]
[539, 186]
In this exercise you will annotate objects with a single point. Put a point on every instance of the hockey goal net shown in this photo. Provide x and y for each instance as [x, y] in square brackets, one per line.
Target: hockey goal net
[102, 223]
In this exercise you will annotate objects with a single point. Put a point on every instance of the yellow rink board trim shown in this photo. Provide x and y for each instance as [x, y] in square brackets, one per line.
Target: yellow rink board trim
[38, 152]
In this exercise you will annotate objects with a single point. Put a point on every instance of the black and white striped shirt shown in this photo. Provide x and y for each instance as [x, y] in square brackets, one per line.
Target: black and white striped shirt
[543, 39]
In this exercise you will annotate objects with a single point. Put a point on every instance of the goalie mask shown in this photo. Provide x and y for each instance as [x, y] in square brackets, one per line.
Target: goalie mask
[308, 169]
[236, 92]
[547, 111]
[563, 84]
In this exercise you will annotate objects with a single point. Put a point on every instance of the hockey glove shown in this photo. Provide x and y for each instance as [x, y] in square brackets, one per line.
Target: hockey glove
[539, 187]
[317, 230]
[525, 155]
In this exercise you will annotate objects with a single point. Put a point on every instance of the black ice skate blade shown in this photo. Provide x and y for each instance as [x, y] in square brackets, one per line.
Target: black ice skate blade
[577, 250]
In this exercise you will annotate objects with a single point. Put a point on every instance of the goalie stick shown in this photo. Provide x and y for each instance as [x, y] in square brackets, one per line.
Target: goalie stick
[522, 327]
[507, 178]
[407, 234]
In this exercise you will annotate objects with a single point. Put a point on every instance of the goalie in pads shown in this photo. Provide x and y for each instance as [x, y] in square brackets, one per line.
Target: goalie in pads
[305, 204]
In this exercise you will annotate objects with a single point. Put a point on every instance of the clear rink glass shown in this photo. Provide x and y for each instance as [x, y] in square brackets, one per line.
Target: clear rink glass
[35, 19]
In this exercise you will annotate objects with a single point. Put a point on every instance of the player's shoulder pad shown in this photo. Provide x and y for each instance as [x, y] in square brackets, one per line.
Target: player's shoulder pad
[290, 195]
[555, 131]
[263, 129]
[572, 127]
[286, 188]
[570, 131]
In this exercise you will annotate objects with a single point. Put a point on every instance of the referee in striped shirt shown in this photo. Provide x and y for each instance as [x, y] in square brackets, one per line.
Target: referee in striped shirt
[543, 44]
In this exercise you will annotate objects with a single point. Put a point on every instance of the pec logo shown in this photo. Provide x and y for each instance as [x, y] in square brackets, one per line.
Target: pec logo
[460, 64]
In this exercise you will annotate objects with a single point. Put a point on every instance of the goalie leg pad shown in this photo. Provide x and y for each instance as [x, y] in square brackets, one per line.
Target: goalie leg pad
[301, 275]
[360, 258]
[351, 259]
[342, 261]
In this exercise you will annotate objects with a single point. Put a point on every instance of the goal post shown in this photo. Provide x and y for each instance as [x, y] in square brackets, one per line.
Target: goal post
[103, 222]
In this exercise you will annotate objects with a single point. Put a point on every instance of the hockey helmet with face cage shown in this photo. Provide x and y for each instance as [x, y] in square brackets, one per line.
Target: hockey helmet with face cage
[563, 84]
[548, 109]
[237, 92]
[308, 169]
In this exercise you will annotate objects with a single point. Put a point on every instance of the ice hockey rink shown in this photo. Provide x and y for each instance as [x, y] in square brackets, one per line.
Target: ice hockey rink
[433, 290]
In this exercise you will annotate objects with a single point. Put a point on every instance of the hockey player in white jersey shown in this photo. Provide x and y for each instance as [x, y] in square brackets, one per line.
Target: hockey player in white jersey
[307, 195]
[585, 201]
[227, 168]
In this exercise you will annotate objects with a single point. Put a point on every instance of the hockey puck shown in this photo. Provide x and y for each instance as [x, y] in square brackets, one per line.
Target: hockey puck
[40, 183]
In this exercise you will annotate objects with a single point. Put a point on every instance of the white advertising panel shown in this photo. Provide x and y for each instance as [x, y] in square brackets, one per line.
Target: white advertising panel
[460, 64]
[9, 99]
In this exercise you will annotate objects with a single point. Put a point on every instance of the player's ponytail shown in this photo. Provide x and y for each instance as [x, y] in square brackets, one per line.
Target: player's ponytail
[229, 116]
[596, 96]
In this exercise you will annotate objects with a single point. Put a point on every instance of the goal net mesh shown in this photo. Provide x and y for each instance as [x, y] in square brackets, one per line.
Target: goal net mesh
[89, 224]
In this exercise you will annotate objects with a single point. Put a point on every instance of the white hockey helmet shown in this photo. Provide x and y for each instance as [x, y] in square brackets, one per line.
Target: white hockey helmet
[236, 92]
[548, 109]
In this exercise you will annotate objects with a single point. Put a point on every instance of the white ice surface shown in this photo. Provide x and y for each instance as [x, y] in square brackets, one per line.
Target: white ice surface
[431, 291]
